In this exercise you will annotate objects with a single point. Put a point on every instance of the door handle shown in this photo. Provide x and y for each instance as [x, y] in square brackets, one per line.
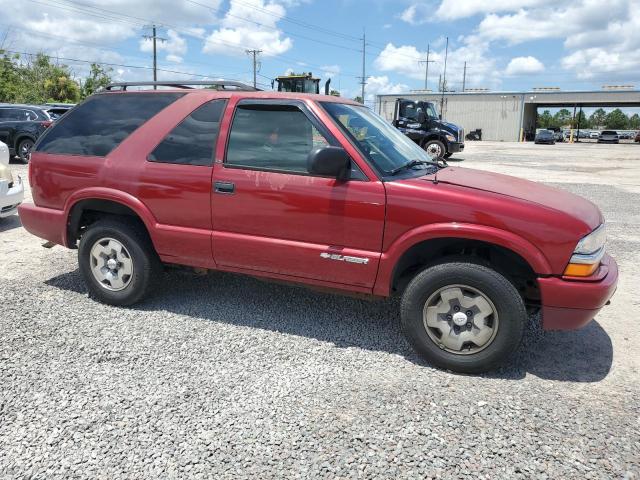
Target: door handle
[224, 187]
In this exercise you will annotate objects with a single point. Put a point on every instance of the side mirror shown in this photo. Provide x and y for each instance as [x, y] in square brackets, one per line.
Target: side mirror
[422, 117]
[329, 162]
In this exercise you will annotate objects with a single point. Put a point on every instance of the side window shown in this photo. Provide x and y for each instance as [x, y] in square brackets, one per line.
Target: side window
[272, 137]
[27, 115]
[101, 123]
[193, 140]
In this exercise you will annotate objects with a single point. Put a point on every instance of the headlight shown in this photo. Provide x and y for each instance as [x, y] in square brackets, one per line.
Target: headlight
[450, 137]
[5, 174]
[587, 254]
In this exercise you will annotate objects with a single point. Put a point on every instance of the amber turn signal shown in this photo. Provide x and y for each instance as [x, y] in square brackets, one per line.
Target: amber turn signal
[581, 269]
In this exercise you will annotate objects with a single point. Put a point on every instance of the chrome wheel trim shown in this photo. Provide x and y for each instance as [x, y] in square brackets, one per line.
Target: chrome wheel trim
[25, 149]
[111, 264]
[460, 319]
[433, 150]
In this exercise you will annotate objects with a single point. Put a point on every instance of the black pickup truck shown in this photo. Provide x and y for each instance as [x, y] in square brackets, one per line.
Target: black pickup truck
[421, 123]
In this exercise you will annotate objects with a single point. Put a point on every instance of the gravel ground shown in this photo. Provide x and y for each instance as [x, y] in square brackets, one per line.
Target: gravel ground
[223, 376]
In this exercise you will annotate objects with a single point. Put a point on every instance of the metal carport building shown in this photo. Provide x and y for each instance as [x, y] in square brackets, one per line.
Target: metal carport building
[503, 115]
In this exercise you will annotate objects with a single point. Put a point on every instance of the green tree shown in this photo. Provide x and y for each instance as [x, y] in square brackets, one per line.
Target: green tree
[581, 120]
[545, 120]
[562, 118]
[634, 122]
[617, 119]
[597, 118]
[334, 93]
[358, 99]
[12, 84]
[98, 78]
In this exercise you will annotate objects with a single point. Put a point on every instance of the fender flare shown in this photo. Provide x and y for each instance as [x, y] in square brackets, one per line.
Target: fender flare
[469, 231]
[118, 196]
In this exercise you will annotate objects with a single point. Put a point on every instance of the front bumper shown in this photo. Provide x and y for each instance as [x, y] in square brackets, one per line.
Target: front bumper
[10, 198]
[569, 303]
[454, 147]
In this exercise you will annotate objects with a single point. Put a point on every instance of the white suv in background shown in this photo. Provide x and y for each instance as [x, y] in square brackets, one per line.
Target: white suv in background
[11, 189]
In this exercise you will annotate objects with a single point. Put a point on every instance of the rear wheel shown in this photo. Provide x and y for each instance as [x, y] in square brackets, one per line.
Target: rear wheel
[463, 317]
[24, 150]
[117, 261]
[435, 149]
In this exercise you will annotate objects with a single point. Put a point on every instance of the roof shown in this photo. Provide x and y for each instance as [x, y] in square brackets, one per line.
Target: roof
[269, 94]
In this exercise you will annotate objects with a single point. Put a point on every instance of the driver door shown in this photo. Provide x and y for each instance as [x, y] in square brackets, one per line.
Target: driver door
[271, 216]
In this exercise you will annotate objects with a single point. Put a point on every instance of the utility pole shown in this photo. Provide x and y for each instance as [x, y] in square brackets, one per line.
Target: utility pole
[444, 78]
[154, 37]
[464, 76]
[426, 68]
[254, 53]
[364, 50]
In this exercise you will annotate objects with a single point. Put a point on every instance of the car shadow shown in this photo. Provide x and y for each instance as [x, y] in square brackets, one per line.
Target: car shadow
[9, 223]
[455, 159]
[579, 356]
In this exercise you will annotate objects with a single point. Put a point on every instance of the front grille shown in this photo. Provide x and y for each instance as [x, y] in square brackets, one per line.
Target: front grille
[8, 208]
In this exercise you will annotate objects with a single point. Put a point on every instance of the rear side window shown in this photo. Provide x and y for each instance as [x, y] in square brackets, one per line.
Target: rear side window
[193, 140]
[272, 137]
[100, 124]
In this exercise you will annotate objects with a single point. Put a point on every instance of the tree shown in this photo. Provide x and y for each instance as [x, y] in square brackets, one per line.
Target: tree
[545, 120]
[12, 84]
[634, 122]
[581, 121]
[597, 118]
[98, 78]
[617, 119]
[334, 93]
[562, 118]
[358, 99]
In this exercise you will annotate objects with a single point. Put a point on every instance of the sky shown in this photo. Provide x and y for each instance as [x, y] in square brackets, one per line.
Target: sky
[507, 44]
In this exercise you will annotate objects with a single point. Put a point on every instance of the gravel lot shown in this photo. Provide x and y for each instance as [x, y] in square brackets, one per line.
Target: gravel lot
[223, 376]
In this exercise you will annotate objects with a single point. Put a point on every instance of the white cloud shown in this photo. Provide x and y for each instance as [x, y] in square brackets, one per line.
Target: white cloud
[405, 60]
[237, 34]
[521, 65]
[455, 9]
[380, 85]
[417, 14]
[174, 45]
[330, 71]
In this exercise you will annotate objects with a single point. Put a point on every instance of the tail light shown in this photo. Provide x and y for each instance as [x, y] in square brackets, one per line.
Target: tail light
[46, 123]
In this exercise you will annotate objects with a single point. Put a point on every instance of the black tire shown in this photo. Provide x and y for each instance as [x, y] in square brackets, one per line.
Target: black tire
[432, 145]
[24, 149]
[508, 304]
[146, 264]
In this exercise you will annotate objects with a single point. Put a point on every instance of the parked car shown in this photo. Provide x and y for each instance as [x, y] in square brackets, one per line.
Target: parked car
[608, 136]
[20, 127]
[56, 110]
[637, 139]
[557, 134]
[594, 135]
[317, 190]
[545, 136]
[11, 188]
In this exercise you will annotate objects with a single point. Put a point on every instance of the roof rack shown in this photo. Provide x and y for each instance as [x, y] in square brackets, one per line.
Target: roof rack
[223, 84]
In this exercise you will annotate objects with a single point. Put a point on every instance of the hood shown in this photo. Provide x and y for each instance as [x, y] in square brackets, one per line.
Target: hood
[452, 126]
[526, 190]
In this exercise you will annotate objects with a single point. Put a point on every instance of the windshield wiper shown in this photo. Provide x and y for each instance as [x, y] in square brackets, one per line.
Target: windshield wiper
[413, 163]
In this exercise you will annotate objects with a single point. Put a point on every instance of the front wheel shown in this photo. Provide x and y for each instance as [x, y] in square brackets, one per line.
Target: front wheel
[463, 317]
[435, 149]
[117, 261]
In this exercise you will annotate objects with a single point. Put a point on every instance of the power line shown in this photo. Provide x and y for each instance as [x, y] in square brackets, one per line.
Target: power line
[154, 37]
[254, 53]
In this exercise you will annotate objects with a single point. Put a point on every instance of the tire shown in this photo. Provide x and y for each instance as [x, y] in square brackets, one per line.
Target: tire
[24, 149]
[448, 154]
[481, 287]
[434, 146]
[136, 266]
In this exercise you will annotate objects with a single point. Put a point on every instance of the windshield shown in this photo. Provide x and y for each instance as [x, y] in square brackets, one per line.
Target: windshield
[383, 144]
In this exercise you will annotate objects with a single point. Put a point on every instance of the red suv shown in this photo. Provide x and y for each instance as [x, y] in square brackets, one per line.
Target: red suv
[316, 190]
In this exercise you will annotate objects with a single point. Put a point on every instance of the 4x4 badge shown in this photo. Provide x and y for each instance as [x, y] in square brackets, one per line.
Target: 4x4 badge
[344, 258]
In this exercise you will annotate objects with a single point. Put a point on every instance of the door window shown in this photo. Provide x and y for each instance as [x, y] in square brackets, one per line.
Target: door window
[272, 137]
[193, 140]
